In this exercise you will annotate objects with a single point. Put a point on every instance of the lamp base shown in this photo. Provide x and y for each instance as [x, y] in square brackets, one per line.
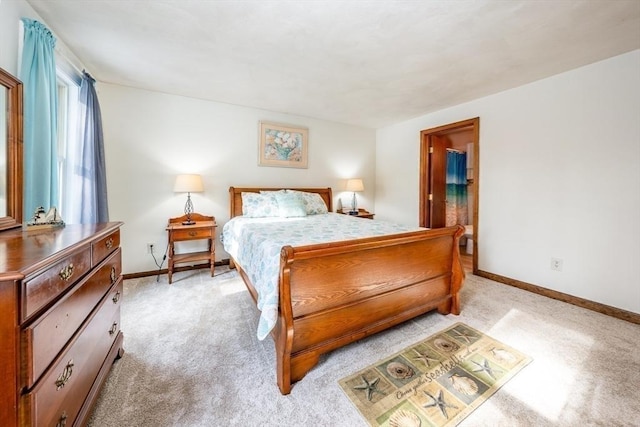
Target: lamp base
[354, 205]
[188, 210]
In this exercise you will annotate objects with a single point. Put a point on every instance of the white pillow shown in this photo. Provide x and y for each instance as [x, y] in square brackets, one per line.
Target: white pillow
[256, 205]
[313, 203]
[290, 205]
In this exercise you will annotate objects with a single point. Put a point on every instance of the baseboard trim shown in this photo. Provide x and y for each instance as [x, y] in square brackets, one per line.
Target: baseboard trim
[164, 270]
[580, 302]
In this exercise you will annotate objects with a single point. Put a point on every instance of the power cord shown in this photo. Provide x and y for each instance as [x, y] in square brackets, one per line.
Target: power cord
[164, 257]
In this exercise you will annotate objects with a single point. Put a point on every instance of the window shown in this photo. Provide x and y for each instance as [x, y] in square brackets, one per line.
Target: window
[68, 83]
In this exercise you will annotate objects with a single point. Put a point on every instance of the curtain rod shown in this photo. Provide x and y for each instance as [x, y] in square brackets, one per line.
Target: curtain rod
[456, 151]
[60, 52]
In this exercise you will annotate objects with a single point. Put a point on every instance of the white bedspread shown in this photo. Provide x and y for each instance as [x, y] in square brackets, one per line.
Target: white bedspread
[255, 244]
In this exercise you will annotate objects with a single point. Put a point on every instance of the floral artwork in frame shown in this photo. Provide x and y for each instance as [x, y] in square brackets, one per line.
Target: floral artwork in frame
[283, 145]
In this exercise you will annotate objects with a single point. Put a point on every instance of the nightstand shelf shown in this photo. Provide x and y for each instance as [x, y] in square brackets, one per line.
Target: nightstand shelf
[191, 257]
[203, 229]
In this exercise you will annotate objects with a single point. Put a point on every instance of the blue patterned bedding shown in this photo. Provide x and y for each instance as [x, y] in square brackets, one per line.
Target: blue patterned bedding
[255, 244]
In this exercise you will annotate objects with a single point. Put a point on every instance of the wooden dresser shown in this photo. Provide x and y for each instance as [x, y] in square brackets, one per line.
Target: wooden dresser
[60, 294]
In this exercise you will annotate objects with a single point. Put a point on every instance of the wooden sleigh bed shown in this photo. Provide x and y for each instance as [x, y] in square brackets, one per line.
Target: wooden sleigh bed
[333, 294]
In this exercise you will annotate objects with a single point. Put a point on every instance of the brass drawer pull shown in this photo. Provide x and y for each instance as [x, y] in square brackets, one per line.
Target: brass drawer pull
[62, 422]
[65, 375]
[66, 273]
[109, 243]
[116, 297]
[114, 328]
[193, 233]
[113, 275]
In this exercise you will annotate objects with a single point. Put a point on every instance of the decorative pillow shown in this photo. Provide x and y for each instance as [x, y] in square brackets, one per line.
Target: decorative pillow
[313, 202]
[290, 205]
[272, 192]
[255, 205]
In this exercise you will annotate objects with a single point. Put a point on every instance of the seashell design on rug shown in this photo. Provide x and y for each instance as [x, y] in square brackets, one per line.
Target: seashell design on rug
[399, 370]
[503, 355]
[404, 418]
[445, 345]
[463, 384]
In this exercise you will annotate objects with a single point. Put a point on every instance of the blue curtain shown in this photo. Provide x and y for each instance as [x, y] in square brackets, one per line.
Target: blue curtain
[90, 173]
[456, 212]
[38, 74]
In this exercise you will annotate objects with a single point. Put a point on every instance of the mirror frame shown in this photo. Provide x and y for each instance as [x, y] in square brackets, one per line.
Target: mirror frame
[14, 151]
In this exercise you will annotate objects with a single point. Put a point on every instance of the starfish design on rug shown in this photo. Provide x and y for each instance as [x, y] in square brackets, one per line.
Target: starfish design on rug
[439, 403]
[424, 358]
[464, 335]
[486, 368]
[369, 387]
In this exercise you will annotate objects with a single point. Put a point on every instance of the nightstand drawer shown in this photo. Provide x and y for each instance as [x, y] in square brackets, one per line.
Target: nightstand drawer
[195, 234]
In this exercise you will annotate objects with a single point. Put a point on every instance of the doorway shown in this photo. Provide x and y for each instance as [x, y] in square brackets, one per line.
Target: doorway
[460, 136]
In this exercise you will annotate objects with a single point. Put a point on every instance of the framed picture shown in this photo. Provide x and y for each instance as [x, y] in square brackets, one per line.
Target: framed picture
[283, 146]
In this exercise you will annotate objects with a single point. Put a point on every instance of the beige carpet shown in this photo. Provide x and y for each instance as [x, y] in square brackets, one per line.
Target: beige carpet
[435, 382]
[192, 359]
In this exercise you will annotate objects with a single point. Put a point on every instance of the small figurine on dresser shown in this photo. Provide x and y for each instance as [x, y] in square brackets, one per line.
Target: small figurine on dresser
[43, 220]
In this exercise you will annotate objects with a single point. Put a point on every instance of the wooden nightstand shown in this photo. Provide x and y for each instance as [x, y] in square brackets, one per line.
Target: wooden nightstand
[204, 228]
[361, 213]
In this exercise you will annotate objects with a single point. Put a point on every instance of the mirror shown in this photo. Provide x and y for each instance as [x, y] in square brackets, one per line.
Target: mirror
[10, 151]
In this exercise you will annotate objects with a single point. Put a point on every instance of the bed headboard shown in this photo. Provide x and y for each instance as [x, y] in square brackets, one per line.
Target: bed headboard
[235, 196]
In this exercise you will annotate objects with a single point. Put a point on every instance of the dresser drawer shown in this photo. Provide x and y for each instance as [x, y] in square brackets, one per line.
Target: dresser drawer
[195, 234]
[61, 392]
[46, 286]
[103, 247]
[43, 340]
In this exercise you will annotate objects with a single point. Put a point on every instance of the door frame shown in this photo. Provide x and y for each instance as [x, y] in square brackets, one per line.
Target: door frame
[426, 179]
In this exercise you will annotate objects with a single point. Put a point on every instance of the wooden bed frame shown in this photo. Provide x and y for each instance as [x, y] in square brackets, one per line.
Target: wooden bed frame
[333, 294]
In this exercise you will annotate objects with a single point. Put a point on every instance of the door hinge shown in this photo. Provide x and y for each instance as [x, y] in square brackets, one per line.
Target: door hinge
[430, 150]
[430, 197]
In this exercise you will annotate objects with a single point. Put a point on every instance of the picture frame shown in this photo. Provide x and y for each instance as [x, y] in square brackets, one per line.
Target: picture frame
[282, 145]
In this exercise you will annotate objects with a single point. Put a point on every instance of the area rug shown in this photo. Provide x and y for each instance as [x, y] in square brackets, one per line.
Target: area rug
[435, 382]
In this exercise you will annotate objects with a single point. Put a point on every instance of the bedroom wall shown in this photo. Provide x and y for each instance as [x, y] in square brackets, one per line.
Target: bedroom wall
[151, 137]
[10, 14]
[559, 177]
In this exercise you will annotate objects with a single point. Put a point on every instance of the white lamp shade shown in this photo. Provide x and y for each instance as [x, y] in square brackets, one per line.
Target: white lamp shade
[188, 184]
[355, 185]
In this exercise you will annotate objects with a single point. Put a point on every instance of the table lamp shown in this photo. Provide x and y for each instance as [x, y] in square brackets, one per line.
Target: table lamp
[188, 183]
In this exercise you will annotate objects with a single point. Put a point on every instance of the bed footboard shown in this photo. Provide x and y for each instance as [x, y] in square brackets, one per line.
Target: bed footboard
[336, 293]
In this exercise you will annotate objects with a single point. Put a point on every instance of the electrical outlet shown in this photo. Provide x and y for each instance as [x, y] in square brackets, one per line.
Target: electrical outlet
[149, 248]
[556, 264]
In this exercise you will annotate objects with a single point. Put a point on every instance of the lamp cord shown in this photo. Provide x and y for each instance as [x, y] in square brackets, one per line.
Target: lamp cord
[164, 257]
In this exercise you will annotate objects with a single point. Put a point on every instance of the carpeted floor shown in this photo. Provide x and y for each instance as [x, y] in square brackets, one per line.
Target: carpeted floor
[192, 359]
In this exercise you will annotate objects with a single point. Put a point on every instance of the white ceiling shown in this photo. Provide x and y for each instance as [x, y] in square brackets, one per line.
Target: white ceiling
[369, 63]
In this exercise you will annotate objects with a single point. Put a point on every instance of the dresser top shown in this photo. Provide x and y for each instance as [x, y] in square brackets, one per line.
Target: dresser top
[22, 251]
